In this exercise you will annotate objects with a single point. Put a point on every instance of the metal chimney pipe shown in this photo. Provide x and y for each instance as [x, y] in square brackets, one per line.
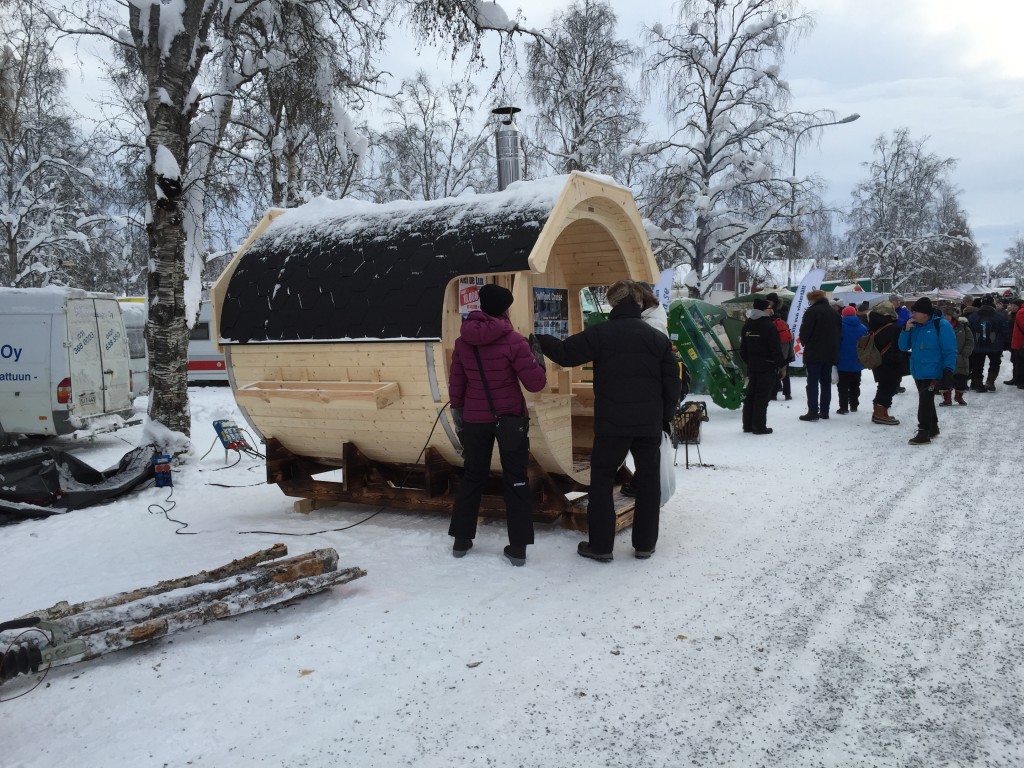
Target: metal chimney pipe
[509, 147]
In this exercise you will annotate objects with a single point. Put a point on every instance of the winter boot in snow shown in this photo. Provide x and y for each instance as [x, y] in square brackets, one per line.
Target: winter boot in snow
[881, 416]
[990, 383]
[810, 416]
[516, 555]
[921, 438]
[947, 398]
[934, 431]
[461, 547]
[583, 550]
[960, 397]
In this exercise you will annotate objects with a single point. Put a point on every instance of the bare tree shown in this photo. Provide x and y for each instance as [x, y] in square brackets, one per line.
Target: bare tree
[587, 113]
[896, 219]
[434, 145]
[718, 184]
[45, 215]
[194, 57]
[1013, 265]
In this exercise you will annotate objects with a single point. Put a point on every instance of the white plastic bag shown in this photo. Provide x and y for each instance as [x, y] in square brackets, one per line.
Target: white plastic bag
[668, 470]
[835, 374]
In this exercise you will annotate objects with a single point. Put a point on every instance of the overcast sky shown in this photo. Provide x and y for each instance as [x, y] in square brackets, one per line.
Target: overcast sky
[945, 69]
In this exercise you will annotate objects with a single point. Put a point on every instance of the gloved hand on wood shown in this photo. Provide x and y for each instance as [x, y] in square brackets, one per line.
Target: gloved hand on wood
[538, 354]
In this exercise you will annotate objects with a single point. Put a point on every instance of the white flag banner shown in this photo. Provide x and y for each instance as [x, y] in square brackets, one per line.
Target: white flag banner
[811, 282]
[663, 288]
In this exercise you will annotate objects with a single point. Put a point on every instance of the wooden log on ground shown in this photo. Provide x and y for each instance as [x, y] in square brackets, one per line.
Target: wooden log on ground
[118, 638]
[255, 579]
[63, 608]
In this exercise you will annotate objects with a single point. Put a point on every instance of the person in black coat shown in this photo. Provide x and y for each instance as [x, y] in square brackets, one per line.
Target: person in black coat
[636, 389]
[991, 336]
[820, 332]
[882, 323]
[761, 350]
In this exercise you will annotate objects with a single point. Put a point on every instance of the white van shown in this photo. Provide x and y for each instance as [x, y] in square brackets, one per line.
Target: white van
[63, 360]
[133, 310]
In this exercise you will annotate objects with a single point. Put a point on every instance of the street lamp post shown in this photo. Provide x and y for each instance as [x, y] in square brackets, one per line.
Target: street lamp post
[792, 192]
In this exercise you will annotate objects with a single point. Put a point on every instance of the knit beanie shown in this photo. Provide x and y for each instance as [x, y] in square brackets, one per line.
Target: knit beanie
[849, 311]
[923, 305]
[495, 300]
[761, 304]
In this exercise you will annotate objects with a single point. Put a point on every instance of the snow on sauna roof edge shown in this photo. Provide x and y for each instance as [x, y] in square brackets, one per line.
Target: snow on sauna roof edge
[349, 270]
[352, 215]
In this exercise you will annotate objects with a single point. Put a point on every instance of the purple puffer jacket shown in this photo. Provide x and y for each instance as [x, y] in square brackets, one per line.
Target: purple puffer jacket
[507, 360]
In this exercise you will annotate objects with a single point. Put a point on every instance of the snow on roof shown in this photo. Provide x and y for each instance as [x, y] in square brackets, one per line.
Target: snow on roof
[48, 299]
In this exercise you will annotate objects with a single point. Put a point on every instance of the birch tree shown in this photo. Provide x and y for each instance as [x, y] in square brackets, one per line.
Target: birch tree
[896, 219]
[586, 109]
[194, 57]
[718, 184]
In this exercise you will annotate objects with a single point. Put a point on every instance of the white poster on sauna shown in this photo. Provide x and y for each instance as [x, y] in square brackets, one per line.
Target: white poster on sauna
[811, 282]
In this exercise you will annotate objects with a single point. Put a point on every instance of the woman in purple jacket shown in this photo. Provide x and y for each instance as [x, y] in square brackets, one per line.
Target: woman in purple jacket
[487, 336]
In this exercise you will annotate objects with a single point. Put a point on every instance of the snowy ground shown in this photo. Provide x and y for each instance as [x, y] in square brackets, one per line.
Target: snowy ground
[825, 596]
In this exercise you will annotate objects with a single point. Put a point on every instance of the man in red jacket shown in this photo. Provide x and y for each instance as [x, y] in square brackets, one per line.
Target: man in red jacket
[489, 361]
[1016, 342]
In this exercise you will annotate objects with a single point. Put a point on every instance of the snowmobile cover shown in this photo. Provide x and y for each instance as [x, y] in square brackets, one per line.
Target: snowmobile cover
[45, 481]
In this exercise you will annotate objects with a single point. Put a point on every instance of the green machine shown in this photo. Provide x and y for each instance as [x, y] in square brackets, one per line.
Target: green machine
[714, 370]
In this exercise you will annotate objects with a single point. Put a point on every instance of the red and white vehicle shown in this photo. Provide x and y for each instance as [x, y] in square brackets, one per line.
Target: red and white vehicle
[205, 363]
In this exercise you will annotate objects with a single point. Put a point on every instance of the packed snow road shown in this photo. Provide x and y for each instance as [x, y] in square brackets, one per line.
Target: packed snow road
[824, 596]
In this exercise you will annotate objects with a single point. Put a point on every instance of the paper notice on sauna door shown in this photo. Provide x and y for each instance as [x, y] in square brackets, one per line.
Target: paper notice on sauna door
[551, 311]
[469, 294]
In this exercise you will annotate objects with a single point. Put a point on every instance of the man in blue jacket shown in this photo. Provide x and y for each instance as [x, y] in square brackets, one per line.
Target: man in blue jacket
[931, 342]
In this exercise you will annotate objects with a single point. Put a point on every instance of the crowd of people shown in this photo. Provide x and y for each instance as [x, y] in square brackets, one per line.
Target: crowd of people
[946, 350]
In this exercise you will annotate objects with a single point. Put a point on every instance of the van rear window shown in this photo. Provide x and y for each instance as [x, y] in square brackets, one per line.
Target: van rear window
[200, 332]
[136, 343]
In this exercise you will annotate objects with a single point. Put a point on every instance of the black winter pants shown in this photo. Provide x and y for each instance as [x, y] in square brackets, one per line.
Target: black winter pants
[888, 382]
[477, 444]
[849, 390]
[760, 388]
[605, 460]
[927, 418]
[978, 366]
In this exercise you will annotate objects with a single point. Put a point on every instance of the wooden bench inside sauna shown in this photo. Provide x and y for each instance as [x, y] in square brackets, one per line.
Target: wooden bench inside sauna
[337, 320]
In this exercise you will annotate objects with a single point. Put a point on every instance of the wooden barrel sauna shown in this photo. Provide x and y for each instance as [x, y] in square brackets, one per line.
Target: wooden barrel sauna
[337, 320]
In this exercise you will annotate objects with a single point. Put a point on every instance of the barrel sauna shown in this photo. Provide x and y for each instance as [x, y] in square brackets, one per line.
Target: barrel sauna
[337, 320]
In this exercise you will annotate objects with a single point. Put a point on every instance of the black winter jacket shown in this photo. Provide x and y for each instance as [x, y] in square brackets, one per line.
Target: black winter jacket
[760, 347]
[636, 372]
[820, 332]
[997, 325]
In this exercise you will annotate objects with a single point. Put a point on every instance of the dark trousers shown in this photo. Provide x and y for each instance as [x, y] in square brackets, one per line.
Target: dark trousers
[1017, 359]
[819, 387]
[783, 385]
[849, 390]
[927, 418]
[760, 388]
[978, 366]
[888, 382]
[605, 460]
[477, 444]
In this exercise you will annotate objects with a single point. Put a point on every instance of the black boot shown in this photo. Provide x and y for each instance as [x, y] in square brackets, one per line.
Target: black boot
[461, 547]
[516, 555]
[921, 438]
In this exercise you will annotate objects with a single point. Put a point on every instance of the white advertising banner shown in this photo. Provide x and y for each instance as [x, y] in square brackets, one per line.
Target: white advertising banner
[811, 282]
[663, 288]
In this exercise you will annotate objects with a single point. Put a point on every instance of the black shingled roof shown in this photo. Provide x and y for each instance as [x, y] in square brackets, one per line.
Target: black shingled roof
[384, 280]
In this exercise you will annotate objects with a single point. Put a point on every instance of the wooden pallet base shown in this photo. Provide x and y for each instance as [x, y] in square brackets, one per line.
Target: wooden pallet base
[426, 487]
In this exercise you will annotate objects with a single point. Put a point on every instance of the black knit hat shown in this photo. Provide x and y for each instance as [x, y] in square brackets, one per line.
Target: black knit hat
[495, 300]
[762, 304]
[923, 305]
[987, 301]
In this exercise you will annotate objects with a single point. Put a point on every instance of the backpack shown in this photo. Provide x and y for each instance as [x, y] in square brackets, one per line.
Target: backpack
[987, 335]
[868, 354]
[785, 335]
